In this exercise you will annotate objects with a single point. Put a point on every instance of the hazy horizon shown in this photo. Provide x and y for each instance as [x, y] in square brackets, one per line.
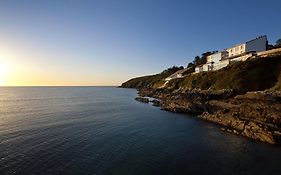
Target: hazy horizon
[104, 43]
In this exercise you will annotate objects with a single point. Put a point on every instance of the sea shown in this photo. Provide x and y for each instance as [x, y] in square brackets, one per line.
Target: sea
[104, 131]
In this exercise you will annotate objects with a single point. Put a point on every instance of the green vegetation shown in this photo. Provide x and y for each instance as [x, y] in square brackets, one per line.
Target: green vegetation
[252, 75]
[189, 70]
[200, 60]
[151, 81]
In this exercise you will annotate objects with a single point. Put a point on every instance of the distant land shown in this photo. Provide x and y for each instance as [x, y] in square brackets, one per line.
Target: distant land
[243, 97]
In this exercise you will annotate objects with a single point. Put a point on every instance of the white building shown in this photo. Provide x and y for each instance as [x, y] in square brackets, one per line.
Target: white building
[236, 50]
[221, 64]
[239, 52]
[178, 74]
[207, 67]
[199, 69]
[258, 44]
[214, 58]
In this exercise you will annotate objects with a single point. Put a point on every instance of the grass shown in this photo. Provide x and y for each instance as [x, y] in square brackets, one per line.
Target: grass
[151, 81]
[251, 75]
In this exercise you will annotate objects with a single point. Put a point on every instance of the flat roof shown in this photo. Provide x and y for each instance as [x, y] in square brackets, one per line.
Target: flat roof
[263, 36]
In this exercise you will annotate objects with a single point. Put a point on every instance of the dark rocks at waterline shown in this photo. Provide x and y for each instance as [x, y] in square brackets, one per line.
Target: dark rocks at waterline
[142, 99]
[256, 115]
[251, 129]
[155, 102]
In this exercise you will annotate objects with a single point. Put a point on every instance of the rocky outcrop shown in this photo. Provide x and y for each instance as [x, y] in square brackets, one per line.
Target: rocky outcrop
[142, 99]
[256, 115]
[155, 102]
[252, 129]
[185, 101]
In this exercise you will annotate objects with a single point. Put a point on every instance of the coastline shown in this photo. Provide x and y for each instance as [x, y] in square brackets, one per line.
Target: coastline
[244, 98]
[255, 115]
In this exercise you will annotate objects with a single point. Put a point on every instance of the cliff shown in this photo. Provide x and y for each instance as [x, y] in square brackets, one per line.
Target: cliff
[244, 98]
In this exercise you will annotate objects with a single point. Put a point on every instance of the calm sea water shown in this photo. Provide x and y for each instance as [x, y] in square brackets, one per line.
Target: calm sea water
[104, 131]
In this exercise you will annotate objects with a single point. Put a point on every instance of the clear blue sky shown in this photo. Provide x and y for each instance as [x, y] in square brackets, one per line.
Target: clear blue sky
[106, 42]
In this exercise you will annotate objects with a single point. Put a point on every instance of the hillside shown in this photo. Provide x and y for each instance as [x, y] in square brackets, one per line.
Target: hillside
[151, 81]
[252, 75]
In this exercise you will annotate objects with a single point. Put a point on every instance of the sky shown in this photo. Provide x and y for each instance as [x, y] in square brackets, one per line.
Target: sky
[106, 42]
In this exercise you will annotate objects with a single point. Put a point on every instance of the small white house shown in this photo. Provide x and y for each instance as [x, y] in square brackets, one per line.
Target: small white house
[236, 50]
[199, 69]
[214, 58]
[178, 74]
[168, 79]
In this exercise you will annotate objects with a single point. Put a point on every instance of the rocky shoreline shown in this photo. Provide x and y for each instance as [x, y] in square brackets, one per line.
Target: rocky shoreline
[256, 115]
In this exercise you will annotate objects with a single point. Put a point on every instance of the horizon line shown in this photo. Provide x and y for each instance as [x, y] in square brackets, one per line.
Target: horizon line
[63, 86]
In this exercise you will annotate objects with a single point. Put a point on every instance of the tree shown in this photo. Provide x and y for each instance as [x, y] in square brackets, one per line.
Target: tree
[278, 42]
[190, 65]
[196, 60]
[204, 55]
[201, 60]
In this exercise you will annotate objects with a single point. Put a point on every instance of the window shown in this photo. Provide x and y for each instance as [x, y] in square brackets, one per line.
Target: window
[242, 47]
[230, 50]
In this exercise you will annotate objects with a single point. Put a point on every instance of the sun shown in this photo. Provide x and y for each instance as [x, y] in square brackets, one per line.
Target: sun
[3, 73]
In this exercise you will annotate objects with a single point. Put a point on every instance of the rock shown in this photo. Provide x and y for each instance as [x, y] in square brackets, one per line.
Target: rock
[266, 137]
[155, 102]
[228, 130]
[260, 95]
[240, 126]
[256, 115]
[142, 99]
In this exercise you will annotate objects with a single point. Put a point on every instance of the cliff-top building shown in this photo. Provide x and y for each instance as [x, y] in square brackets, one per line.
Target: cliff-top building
[256, 45]
[239, 52]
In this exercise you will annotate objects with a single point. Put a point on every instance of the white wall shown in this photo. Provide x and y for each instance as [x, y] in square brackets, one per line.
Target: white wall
[198, 69]
[236, 50]
[220, 64]
[259, 44]
[242, 58]
[216, 57]
[207, 67]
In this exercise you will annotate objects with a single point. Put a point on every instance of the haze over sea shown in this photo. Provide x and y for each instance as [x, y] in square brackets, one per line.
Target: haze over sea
[103, 130]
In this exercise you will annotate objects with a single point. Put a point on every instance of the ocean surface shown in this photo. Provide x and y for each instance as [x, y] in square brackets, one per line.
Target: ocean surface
[104, 131]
